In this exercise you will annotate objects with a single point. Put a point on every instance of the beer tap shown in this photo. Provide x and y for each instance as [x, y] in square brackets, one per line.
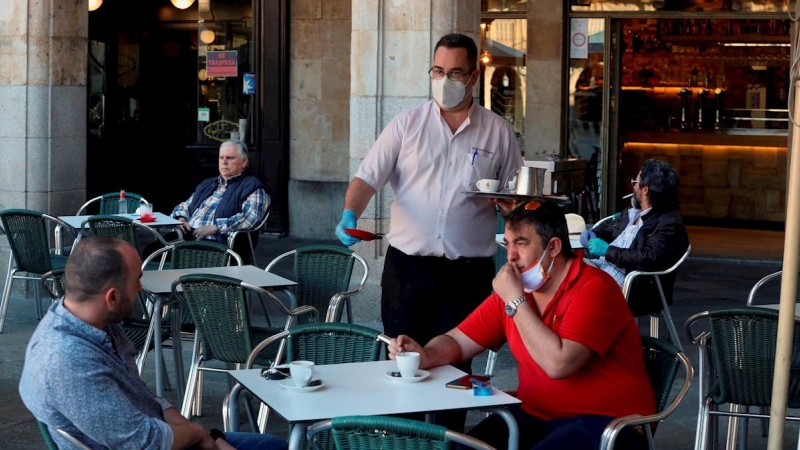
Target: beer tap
[701, 103]
[718, 98]
[686, 98]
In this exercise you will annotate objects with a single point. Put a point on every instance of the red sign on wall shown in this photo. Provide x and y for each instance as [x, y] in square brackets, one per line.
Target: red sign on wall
[222, 64]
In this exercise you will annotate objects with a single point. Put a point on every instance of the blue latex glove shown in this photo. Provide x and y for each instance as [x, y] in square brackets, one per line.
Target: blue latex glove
[586, 236]
[597, 247]
[348, 221]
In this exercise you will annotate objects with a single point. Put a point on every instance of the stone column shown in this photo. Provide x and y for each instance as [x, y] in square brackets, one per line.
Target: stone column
[391, 52]
[43, 45]
[544, 115]
[43, 99]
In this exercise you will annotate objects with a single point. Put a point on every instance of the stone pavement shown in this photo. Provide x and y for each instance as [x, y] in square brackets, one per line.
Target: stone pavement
[704, 282]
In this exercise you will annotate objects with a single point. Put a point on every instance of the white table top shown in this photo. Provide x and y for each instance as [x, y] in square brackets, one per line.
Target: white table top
[160, 281]
[364, 389]
[162, 220]
[777, 306]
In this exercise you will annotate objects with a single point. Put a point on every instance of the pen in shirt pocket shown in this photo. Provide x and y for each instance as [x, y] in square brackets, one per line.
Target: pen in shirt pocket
[474, 154]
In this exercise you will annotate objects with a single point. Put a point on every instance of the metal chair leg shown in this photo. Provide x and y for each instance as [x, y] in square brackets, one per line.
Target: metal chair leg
[188, 398]
[7, 291]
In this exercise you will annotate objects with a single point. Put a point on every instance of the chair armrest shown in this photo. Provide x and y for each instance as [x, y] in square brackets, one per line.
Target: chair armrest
[613, 429]
[299, 311]
[688, 327]
[626, 286]
[758, 285]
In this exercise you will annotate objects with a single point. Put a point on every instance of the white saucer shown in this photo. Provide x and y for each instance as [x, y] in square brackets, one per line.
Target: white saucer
[421, 375]
[288, 384]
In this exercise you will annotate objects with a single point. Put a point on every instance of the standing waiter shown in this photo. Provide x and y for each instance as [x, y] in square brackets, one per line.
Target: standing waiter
[439, 265]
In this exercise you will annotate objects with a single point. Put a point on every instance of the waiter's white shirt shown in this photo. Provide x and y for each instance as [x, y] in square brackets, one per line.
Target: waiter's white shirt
[430, 168]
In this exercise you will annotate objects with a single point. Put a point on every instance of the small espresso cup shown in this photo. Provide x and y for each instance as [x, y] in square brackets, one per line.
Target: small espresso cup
[487, 185]
[407, 364]
[302, 372]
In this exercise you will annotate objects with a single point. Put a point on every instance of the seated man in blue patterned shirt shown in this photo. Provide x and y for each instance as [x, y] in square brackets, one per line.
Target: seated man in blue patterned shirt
[80, 375]
[220, 205]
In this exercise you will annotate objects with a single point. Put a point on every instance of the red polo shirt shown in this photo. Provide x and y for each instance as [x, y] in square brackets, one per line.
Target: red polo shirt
[588, 308]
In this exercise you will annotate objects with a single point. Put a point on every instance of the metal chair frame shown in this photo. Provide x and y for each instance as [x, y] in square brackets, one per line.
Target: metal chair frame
[230, 406]
[109, 202]
[709, 373]
[332, 314]
[381, 427]
[22, 259]
[72, 440]
[199, 352]
[626, 289]
[249, 234]
[613, 429]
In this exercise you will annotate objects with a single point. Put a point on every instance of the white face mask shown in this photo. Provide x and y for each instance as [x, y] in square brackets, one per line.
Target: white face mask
[448, 93]
[534, 276]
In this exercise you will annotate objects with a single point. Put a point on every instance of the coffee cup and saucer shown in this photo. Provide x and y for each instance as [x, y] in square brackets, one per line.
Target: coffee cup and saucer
[408, 369]
[301, 380]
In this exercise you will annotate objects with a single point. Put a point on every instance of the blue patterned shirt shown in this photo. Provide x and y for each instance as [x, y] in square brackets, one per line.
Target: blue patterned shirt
[84, 381]
[253, 209]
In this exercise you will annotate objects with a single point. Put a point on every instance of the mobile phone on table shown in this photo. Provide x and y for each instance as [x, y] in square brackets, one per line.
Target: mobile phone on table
[465, 381]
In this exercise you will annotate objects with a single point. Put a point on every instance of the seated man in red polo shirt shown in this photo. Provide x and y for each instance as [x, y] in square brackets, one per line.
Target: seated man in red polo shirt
[577, 347]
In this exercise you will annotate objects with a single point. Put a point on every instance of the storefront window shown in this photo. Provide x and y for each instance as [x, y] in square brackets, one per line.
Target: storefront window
[226, 79]
[504, 42]
[504, 5]
[683, 5]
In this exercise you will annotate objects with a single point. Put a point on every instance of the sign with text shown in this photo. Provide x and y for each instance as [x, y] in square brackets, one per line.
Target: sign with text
[222, 64]
[579, 38]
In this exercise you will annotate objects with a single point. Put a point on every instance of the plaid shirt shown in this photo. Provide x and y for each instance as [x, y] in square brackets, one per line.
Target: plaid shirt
[253, 209]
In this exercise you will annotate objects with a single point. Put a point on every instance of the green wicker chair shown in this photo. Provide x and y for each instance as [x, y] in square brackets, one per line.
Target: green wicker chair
[739, 348]
[381, 432]
[109, 203]
[181, 255]
[323, 343]
[27, 233]
[123, 228]
[662, 361]
[223, 332]
[323, 274]
[244, 242]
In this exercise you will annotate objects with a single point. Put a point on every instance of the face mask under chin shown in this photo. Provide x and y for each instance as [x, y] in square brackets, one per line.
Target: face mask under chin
[534, 277]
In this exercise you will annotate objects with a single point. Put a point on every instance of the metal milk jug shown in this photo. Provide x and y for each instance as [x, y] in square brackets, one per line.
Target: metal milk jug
[530, 181]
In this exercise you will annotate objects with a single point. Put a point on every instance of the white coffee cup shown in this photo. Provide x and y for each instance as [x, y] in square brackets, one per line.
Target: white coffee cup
[487, 185]
[302, 372]
[407, 364]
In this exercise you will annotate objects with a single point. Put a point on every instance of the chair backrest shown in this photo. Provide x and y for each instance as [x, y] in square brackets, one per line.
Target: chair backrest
[334, 343]
[122, 228]
[662, 363]
[321, 271]
[743, 353]
[218, 306]
[200, 254]
[27, 235]
[387, 433]
[58, 287]
[109, 203]
[112, 226]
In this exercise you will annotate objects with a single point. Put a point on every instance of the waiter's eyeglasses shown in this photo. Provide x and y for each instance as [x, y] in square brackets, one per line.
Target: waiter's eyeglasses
[634, 181]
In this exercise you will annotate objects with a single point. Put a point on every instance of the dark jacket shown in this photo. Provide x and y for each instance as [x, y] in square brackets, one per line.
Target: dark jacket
[659, 244]
[239, 188]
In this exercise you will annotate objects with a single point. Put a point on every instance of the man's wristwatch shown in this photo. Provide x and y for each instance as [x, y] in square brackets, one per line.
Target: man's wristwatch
[511, 307]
